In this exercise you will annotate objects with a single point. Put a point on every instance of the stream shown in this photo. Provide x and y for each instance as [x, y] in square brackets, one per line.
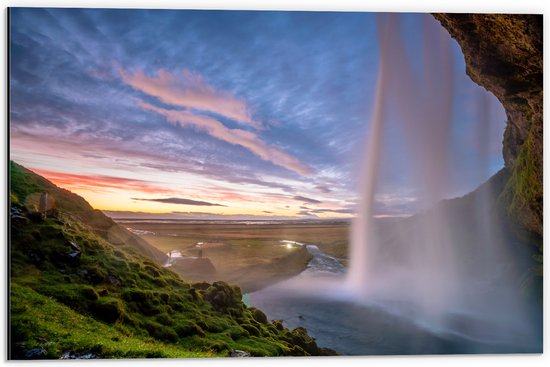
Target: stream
[357, 328]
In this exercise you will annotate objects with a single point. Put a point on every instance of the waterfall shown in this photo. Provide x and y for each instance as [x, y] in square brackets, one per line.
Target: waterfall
[448, 273]
[446, 262]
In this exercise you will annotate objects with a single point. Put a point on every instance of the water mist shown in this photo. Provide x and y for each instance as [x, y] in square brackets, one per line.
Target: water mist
[446, 267]
[445, 280]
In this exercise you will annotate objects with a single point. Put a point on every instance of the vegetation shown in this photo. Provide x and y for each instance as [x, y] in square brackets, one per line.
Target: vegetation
[73, 291]
[26, 188]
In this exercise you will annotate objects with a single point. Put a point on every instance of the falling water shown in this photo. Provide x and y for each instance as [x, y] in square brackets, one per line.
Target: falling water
[441, 281]
[446, 264]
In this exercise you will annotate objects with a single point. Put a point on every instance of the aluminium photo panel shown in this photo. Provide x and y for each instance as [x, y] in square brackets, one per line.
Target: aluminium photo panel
[238, 183]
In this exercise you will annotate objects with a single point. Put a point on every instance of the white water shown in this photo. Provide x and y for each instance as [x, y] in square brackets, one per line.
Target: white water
[428, 265]
[440, 282]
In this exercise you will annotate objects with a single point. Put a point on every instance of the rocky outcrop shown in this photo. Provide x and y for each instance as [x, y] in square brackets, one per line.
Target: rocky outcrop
[503, 53]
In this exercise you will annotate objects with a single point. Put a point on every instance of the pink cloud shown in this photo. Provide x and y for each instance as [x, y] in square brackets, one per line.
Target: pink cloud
[191, 90]
[99, 183]
[246, 139]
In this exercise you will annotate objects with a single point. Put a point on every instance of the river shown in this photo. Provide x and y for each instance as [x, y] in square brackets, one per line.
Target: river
[336, 321]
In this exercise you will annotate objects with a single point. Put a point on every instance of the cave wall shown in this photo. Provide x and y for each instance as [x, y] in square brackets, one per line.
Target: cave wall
[503, 54]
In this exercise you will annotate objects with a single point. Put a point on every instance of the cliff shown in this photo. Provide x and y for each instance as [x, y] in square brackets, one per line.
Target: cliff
[503, 54]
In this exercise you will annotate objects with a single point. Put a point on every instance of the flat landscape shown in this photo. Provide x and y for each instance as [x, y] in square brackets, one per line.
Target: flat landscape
[252, 254]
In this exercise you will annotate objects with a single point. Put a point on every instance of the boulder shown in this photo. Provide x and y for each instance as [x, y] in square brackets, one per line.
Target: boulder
[258, 315]
[36, 353]
[223, 296]
[237, 353]
[74, 355]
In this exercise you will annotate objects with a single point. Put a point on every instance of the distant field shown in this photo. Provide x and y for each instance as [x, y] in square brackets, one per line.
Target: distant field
[252, 254]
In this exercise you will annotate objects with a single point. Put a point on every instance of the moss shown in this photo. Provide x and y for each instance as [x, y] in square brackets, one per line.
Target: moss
[164, 319]
[113, 302]
[523, 194]
[258, 315]
[251, 329]
[108, 309]
[188, 328]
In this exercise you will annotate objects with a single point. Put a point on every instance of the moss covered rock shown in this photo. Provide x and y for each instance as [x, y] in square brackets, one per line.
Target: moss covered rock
[503, 53]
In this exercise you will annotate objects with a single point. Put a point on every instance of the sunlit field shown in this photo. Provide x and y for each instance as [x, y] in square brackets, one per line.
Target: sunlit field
[252, 254]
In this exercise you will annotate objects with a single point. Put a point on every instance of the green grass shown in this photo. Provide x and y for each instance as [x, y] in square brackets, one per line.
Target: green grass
[38, 320]
[117, 303]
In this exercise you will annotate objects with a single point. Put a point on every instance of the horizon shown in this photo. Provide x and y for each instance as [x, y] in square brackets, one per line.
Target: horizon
[221, 112]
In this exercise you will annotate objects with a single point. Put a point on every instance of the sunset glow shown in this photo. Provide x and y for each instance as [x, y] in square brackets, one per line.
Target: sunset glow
[169, 111]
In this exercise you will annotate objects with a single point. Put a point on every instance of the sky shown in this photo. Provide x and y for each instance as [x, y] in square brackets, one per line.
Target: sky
[222, 113]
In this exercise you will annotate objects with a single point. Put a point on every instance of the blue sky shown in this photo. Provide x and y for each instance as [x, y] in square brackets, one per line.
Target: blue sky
[224, 112]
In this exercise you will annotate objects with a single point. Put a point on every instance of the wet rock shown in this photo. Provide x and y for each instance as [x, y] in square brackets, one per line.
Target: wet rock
[504, 54]
[15, 211]
[36, 353]
[73, 355]
[237, 353]
[74, 246]
[19, 220]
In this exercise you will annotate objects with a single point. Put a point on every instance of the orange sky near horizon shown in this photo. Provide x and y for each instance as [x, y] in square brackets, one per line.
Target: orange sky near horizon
[128, 194]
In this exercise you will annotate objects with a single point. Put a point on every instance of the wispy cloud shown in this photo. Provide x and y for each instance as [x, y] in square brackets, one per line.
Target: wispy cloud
[179, 201]
[324, 189]
[313, 212]
[99, 183]
[191, 90]
[244, 138]
[307, 200]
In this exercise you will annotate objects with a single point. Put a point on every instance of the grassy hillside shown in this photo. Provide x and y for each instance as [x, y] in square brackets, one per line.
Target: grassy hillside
[74, 293]
[26, 188]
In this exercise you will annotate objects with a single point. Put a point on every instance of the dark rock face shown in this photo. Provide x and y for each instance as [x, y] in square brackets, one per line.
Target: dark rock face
[503, 53]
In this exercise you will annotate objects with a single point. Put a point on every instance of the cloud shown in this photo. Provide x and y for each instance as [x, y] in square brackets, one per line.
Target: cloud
[340, 211]
[179, 201]
[307, 200]
[313, 212]
[190, 90]
[324, 189]
[268, 212]
[98, 182]
[246, 139]
[306, 213]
